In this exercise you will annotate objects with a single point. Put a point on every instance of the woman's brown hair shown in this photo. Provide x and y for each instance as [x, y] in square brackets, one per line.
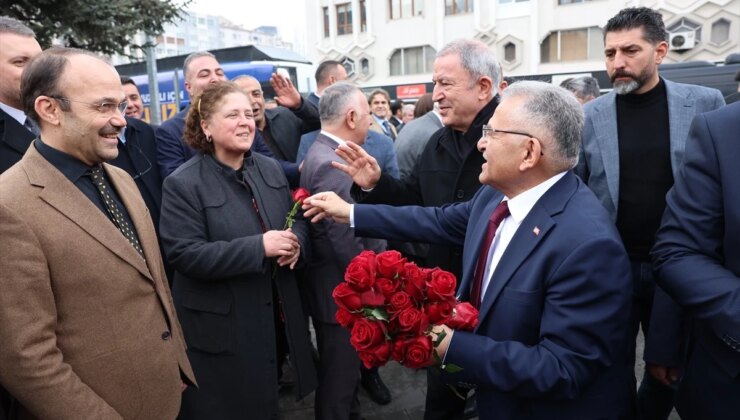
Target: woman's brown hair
[202, 108]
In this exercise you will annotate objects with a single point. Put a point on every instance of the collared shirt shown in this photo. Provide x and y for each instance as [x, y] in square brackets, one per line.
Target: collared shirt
[519, 207]
[74, 170]
[381, 122]
[333, 137]
[17, 114]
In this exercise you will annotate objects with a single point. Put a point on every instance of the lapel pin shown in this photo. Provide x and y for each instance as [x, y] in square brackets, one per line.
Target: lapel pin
[536, 231]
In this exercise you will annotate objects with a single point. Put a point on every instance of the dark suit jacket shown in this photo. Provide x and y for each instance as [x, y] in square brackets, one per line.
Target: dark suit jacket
[138, 157]
[376, 145]
[14, 141]
[697, 251]
[287, 126]
[173, 152]
[90, 331]
[333, 245]
[551, 341]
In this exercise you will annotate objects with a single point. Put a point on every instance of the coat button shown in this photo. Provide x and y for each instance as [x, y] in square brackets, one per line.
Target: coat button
[460, 194]
[166, 335]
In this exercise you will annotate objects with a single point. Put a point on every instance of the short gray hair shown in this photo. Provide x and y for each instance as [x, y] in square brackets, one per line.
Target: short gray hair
[476, 58]
[14, 26]
[335, 100]
[582, 87]
[189, 59]
[554, 110]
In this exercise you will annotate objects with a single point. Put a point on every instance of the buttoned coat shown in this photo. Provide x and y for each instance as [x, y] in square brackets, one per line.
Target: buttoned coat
[333, 245]
[87, 325]
[552, 332]
[697, 261]
[223, 286]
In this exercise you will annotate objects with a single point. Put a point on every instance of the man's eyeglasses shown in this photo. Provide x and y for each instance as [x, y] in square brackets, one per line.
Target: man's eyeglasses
[489, 131]
[102, 107]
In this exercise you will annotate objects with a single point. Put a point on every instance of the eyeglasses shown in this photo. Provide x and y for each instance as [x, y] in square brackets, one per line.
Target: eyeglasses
[102, 107]
[489, 131]
[138, 173]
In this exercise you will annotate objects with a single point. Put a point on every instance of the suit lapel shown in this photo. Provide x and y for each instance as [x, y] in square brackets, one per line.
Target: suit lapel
[681, 112]
[16, 136]
[532, 231]
[605, 127]
[140, 161]
[65, 197]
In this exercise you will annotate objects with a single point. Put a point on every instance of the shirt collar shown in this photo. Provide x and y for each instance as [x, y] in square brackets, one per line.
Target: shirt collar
[17, 114]
[380, 121]
[522, 204]
[69, 166]
[333, 137]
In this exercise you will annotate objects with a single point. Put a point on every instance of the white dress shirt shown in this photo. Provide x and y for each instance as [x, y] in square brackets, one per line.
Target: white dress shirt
[17, 114]
[519, 207]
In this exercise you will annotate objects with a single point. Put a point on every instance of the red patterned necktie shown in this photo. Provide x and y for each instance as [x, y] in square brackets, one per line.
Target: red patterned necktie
[501, 212]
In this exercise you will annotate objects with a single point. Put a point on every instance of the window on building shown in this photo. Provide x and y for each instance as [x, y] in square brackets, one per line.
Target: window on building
[572, 45]
[400, 9]
[571, 1]
[349, 66]
[344, 18]
[414, 60]
[326, 22]
[510, 52]
[720, 32]
[365, 66]
[363, 16]
[457, 7]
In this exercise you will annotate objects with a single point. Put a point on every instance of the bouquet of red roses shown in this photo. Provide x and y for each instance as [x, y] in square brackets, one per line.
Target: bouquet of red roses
[390, 305]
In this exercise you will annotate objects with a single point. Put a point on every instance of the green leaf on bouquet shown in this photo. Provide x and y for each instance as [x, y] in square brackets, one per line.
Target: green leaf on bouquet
[451, 368]
[377, 313]
[441, 336]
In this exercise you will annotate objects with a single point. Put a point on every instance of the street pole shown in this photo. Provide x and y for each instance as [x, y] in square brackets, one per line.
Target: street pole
[155, 112]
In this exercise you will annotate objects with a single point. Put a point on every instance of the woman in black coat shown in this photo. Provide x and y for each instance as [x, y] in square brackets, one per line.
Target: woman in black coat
[222, 221]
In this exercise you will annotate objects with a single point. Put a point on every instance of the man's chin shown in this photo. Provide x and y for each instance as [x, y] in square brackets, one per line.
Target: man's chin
[624, 88]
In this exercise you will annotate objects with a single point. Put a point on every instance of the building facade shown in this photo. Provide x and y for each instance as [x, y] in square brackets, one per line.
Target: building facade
[201, 32]
[394, 42]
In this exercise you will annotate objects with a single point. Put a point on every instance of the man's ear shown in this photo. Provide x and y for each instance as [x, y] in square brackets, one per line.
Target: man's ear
[660, 51]
[48, 110]
[485, 88]
[351, 118]
[532, 155]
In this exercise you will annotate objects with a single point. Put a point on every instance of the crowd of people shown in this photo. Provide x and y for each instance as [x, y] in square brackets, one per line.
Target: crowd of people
[150, 273]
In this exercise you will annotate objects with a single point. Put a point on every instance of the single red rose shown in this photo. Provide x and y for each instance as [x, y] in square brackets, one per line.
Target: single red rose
[441, 286]
[367, 334]
[464, 317]
[390, 264]
[300, 194]
[376, 356]
[346, 318]
[346, 297]
[386, 286]
[439, 312]
[414, 281]
[398, 302]
[412, 320]
[398, 347]
[360, 273]
[372, 298]
[418, 352]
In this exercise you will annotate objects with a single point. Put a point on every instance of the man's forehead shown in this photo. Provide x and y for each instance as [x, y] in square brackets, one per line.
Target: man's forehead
[18, 45]
[204, 63]
[625, 37]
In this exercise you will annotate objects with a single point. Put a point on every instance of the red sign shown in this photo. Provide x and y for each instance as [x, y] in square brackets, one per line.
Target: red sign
[410, 91]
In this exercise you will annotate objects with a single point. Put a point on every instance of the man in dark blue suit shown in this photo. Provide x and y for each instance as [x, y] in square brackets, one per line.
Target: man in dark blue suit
[697, 262]
[554, 285]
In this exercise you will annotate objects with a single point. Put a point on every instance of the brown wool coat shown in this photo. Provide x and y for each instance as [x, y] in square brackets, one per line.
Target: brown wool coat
[87, 326]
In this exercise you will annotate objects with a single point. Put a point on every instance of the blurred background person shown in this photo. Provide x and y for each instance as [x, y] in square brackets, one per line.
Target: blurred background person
[222, 218]
[18, 46]
[135, 108]
[395, 116]
[585, 88]
[379, 101]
